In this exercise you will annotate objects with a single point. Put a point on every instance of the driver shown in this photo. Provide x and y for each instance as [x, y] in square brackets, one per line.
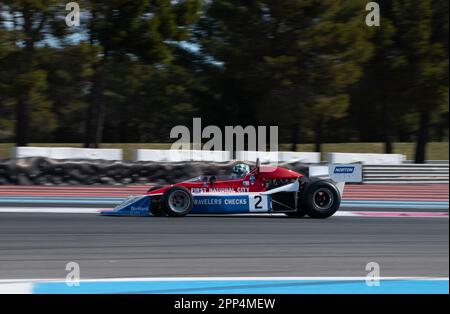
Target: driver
[240, 171]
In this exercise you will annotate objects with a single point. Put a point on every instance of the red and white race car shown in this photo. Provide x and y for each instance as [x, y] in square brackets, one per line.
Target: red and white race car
[264, 189]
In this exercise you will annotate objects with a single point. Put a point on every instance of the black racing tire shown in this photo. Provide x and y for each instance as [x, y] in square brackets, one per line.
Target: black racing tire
[156, 211]
[321, 199]
[297, 214]
[177, 201]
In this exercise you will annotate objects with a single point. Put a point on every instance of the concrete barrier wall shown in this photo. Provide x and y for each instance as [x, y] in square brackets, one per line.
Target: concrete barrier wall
[68, 153]
[181, 155]
[367, 159]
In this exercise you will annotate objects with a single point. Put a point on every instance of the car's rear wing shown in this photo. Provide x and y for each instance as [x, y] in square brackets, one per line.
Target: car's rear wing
[349, 173]
[339, 173]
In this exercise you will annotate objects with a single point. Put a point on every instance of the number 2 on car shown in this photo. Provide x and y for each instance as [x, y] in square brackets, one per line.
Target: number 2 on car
[258, 203]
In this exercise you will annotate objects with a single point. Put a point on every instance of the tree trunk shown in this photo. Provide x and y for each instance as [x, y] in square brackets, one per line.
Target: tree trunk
[422, 136]
[88, 125]
[318, 136]
[22, 106]
[294, 137]
[22, 121]
[95, 110]
[387, 144]
[99, 122]
[386, 128]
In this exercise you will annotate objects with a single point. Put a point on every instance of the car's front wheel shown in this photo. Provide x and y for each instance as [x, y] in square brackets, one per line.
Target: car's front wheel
[177, 201]
[321, 199]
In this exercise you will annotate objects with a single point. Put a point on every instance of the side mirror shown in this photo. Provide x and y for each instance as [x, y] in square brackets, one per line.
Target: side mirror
[212, 179]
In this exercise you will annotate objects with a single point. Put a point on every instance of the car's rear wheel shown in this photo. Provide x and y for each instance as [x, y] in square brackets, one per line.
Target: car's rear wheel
[177, 201]
[321, 199]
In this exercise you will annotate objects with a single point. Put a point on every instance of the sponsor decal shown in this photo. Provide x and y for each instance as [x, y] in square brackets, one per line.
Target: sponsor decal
[220, 201]
[138, 209]
[220, 190]
[344, 169]
[207, 201]
[235, 201]
[199, 190]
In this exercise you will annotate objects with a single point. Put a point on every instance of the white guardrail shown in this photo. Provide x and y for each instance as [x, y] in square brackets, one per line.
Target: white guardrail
[265, 157]
[367, 159]
[68, 153]
[223, 156]
[406, 173]
[173, 155]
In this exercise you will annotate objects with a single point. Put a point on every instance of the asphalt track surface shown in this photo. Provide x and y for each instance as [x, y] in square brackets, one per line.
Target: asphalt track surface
[40, 245]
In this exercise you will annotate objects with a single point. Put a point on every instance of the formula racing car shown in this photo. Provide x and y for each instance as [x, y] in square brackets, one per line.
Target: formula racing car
[264, 189]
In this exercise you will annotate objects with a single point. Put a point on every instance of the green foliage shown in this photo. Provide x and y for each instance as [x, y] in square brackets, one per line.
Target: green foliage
[42, 119]
[69, 73]
[299, 56]
[134, 69]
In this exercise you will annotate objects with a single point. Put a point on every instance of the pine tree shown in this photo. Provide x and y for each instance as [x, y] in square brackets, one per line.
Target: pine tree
[286, 56]
[140, 29]
[30, 23]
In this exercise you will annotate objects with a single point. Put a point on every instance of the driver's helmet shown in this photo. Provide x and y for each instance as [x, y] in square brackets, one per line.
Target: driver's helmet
[240, 170]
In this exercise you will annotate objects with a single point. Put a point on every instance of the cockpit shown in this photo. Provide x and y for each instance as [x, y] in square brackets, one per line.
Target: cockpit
[239, 171]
